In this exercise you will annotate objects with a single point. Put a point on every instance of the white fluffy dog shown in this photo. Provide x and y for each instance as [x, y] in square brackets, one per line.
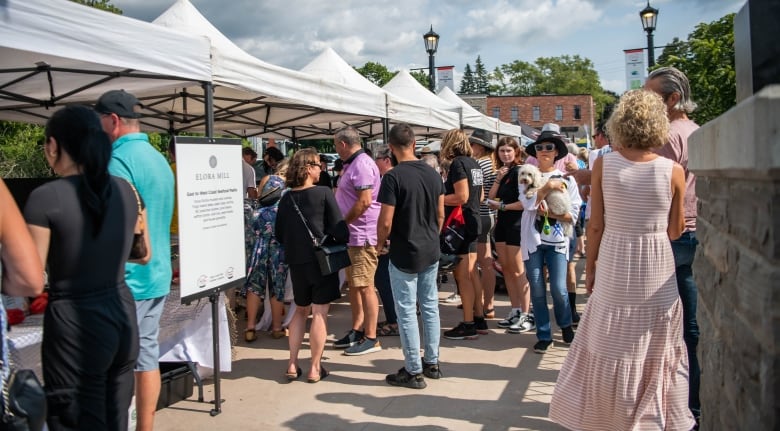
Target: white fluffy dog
[557, 201]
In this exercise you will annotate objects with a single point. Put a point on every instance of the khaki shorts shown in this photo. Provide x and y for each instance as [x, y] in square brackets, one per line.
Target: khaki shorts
[364, 262]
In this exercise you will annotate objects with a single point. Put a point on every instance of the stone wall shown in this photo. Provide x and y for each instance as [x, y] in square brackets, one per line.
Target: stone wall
[736, 159]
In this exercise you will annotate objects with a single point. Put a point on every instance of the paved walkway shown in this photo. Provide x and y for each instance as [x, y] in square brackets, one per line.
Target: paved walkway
[495, 382]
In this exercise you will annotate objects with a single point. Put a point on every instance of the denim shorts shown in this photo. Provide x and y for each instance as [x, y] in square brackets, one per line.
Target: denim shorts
[148, 312]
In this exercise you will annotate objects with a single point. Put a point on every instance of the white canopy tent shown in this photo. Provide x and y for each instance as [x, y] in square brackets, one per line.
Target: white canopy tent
[56, 52]
[253, 97]
[405, 86]
[427, 120]
[471, 117]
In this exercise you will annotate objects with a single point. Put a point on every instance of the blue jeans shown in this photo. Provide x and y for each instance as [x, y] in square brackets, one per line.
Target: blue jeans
[556, 266]
[409, 290]
[684, 250]
[382, 283]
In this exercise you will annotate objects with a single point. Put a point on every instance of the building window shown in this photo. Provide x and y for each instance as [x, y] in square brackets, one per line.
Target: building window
[537, 113]
[558, 112]
[496, 112]
[515, 113]
[577, 112]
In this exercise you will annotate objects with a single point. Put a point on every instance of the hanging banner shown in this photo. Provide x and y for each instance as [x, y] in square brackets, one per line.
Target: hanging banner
[635, 68]
[444, 78]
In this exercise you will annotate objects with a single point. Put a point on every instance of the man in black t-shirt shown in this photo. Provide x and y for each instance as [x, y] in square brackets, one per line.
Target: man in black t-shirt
[412, 198]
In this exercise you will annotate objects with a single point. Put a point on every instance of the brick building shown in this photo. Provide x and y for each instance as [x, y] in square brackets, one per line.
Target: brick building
[571, 112]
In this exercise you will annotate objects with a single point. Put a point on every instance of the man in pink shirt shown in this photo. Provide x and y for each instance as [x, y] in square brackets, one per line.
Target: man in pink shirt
[356, 196]
[672, 85]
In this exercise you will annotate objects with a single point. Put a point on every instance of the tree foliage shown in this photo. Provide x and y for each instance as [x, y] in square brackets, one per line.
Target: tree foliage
[481, 77]
[550, 75]
[467, 83]
[100, 4]
[707, 58]
[376, 73]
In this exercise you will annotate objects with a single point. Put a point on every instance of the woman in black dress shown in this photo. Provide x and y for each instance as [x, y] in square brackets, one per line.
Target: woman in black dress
[83, 225]
[313, 291]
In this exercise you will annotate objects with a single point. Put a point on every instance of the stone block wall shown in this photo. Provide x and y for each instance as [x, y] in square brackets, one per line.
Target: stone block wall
[736, 159]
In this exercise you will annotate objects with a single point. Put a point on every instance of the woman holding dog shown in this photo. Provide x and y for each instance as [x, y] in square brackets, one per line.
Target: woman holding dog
[463, 188]
[503, 196]
[628, 368]
[544, 239]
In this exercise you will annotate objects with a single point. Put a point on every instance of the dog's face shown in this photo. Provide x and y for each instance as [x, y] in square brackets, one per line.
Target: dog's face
[529, 176]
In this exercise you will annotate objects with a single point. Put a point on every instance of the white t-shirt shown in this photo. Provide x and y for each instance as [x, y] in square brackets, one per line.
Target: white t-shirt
[532, 238]
[249, 177]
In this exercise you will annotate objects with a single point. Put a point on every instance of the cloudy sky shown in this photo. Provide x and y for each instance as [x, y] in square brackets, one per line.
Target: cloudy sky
[290, 33]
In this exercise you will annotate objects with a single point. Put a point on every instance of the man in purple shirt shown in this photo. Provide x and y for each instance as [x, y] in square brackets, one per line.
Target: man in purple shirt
[356, 196]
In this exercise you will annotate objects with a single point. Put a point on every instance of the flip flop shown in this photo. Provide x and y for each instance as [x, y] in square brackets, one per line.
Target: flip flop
[294, 376]
[323, 373]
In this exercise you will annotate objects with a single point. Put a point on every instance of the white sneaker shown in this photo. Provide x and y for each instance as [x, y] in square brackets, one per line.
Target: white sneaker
[452, 298]
[511, 319]
[525, 324]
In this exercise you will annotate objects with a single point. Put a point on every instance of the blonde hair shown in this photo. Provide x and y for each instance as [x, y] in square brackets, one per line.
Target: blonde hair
[282, 167]
[455, 143]
[639, 121]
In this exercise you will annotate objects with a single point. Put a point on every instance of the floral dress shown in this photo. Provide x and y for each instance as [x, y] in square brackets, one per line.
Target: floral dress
[266, 265]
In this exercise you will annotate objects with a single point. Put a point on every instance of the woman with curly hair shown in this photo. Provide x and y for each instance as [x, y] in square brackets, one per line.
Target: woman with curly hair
[628, 367]
[463, 188]
[308, 208]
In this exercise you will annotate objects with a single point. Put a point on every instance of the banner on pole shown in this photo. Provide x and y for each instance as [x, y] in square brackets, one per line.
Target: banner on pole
[635, 68]
[444, 78]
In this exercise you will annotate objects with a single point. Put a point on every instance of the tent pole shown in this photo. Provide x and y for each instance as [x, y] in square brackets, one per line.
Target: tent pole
[208, 109]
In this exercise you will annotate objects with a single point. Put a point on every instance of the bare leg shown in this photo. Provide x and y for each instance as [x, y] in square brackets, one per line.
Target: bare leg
[571, 277]
[370, 313]
[147, 390]
[356, 304]
[317, 336]
[511, 273]
[488, 278]
[277, 313]
[297, 329]
[464, 277]
[252, 306]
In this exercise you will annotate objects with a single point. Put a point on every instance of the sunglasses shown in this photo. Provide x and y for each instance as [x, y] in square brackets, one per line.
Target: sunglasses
[544, 147]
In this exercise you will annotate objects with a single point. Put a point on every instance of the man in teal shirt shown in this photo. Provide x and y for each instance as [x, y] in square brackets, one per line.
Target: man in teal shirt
[133, 158]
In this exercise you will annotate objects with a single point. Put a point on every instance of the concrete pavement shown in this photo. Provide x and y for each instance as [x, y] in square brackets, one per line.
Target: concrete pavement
[495, 382]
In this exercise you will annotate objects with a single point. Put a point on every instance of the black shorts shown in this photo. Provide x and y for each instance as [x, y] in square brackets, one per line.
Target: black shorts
[310, 287]
[507, 231]
[487, 223]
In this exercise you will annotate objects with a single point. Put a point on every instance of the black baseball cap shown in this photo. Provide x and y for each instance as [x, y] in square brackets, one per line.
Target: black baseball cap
[118, 102]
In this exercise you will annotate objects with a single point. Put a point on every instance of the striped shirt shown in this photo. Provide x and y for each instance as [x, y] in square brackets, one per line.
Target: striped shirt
[488, 178]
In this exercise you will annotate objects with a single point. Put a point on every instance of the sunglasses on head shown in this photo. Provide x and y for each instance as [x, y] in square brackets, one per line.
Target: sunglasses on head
[544, 147]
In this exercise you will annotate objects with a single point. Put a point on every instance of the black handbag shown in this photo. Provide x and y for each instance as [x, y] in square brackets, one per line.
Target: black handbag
[330, 257]
[138, 249]
[270, 198]
[24, 402]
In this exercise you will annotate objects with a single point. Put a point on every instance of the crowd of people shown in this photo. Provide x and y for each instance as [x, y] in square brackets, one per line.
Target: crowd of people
[630, 203]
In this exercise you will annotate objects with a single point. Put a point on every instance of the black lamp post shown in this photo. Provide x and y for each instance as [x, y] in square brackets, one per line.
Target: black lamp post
[431, 44]
[649, 16]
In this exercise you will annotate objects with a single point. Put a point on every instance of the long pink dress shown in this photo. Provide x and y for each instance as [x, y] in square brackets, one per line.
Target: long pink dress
[628, 368]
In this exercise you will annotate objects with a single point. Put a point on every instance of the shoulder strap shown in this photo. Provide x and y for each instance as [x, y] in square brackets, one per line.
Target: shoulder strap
[298, 210]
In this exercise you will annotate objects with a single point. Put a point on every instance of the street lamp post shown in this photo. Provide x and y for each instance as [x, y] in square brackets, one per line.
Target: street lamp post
[649, 16]
[431, 44]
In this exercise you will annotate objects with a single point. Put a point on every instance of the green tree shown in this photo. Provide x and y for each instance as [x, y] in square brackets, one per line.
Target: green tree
[100, 4]
[552, 75]
[481, 79]
[467, 84]
[498, 83]
[376, 73]
[707, 58]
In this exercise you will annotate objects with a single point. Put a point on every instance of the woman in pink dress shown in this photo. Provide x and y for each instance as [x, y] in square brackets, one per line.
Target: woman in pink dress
[628, 367]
